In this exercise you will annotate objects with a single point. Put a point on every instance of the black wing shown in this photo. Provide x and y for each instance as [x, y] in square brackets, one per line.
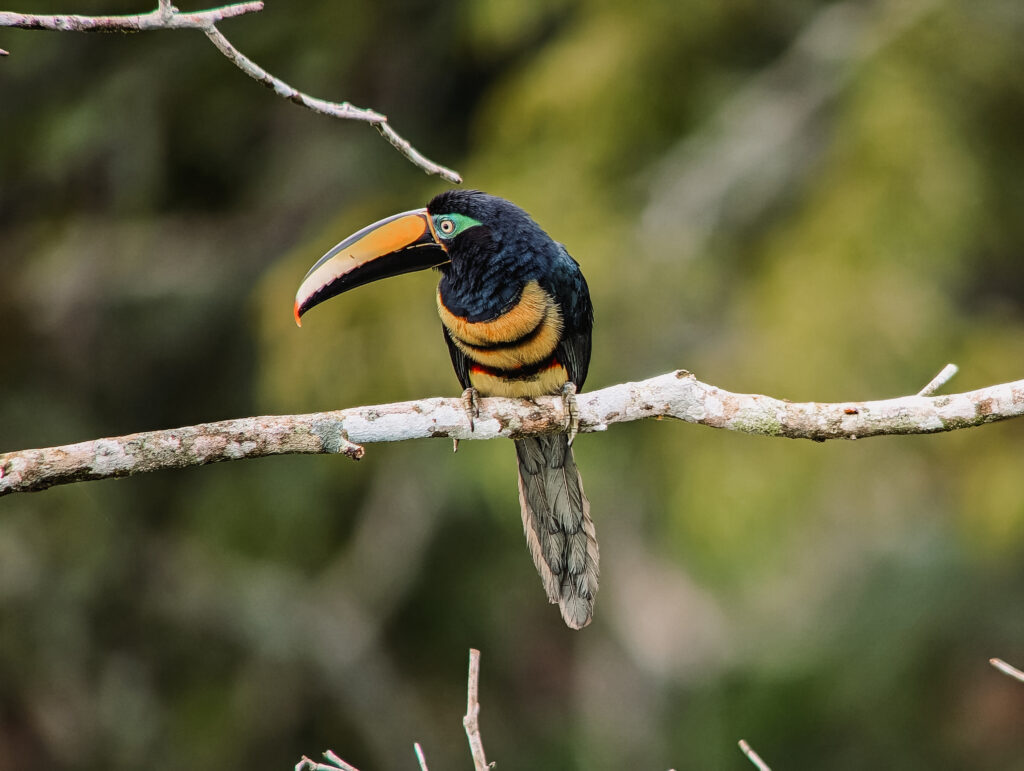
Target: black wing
[573, 353]
[459, 360]
[573, 350]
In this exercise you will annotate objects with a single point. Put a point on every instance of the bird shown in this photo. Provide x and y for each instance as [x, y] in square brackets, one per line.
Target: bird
[517, 318]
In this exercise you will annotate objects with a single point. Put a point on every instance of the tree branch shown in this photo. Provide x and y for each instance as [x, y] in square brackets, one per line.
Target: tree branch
[753, 757]
[1006, 669]
[676, 394]
[342, 110]
[166, 16]
[471, 722]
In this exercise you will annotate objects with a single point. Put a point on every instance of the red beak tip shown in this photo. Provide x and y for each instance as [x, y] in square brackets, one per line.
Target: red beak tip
[298, 316]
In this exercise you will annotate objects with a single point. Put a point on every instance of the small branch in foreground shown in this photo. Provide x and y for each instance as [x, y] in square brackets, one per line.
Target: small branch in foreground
[166, 16]
[753, 756]
[308, 764]
[676, 394]
[1006, 669]
[419, 756]
[471, 722]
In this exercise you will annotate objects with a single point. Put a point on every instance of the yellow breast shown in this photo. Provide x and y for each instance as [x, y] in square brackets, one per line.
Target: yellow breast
[518, 321]
[512, 354]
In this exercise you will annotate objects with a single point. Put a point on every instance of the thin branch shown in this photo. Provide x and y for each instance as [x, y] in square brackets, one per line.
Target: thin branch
[419, 756]
[1006, 669]
[338, 762]
[308, 764]
[166, 16]
[939, 380]
[753, 756]
[342, 110]
[676, 394]
[413, 155]
[471, 722]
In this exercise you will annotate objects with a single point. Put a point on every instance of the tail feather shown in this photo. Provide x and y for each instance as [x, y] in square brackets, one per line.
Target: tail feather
[558, 527]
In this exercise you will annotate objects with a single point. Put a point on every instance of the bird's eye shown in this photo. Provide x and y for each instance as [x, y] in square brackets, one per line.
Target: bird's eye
[447, 226]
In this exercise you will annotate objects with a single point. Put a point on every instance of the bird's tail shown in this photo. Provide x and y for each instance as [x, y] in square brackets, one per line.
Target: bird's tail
[558, 527]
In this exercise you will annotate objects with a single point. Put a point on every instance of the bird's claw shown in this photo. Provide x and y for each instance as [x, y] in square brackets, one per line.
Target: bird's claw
[571, 410]
[471, 403]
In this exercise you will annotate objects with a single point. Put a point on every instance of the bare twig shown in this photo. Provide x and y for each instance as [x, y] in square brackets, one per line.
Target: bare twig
[471, 721]
[939, 380]
[166, 16]
[308, 764]
[413, 155]
[419, 757]
[342, 110]
[753, 756]
[329, 754]
[676, 394]
[1006, 669]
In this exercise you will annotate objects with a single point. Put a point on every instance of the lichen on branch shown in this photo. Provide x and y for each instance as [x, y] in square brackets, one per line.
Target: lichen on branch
[676, 394]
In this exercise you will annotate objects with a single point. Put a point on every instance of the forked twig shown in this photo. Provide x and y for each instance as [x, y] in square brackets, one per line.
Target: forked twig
[470, 722]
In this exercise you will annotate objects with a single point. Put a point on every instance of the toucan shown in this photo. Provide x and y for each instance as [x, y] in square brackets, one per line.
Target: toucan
[517, 317]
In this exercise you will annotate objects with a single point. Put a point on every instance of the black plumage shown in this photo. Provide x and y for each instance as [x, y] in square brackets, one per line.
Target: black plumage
[517, 318]
[490, 266]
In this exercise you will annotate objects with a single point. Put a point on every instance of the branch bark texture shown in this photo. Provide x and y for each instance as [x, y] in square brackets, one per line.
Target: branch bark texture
[161, 18]
[675, 394]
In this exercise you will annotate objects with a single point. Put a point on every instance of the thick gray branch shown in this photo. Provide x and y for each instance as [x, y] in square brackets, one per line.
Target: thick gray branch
[676, 395]
[166, 16]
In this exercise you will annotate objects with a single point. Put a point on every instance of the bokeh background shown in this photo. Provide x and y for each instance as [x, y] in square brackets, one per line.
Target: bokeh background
[810, 200]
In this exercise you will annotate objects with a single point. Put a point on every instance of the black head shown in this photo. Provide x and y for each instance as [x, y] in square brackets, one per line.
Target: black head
[472, 237]
[482, 222]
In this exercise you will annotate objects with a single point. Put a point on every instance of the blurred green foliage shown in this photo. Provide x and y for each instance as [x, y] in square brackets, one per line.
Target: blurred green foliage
[811, 200]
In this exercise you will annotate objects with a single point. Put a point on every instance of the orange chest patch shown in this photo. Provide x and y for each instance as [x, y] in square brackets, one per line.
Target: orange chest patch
[519, 321]
[532, 348]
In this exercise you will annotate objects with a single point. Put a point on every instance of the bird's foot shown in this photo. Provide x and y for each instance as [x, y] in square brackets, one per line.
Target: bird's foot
[571, 410]
[471, 403]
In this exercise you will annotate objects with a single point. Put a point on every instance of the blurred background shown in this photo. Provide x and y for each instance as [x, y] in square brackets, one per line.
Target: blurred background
[804, 199]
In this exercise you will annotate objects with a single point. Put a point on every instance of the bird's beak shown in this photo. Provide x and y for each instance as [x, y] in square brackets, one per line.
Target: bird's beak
[398, 244]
